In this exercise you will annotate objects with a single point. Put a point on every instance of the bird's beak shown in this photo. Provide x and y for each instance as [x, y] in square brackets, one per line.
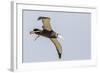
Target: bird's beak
[31, 32]
[61, 37]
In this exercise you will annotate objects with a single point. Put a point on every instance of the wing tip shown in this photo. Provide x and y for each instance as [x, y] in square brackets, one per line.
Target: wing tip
[42, 17]
[59, 55]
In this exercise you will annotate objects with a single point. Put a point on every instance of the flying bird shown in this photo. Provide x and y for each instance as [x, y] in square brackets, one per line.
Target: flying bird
[48, 32]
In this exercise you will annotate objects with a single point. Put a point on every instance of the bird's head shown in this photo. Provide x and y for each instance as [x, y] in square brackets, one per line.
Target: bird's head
[35, 31]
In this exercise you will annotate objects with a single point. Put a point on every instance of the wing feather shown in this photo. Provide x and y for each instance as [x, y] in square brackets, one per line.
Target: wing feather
[46, 24]
[57, 45]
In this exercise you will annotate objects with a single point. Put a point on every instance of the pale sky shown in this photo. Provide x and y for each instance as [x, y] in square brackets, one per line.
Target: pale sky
[74, 27]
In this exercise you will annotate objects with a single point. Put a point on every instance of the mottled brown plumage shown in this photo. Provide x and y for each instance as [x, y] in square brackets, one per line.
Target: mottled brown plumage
[49, 33]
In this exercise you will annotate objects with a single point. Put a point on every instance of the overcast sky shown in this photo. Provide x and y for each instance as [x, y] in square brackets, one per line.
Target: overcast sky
[74, 27]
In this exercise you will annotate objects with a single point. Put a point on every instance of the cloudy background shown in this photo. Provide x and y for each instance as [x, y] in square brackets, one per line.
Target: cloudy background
[74, 27]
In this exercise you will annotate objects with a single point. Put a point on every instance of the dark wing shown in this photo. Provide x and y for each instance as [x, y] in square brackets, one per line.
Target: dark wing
[57, 45]
[46, 23]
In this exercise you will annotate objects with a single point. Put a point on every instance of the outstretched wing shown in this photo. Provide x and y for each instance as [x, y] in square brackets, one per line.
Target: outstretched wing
[57, 45]
[46, 23]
